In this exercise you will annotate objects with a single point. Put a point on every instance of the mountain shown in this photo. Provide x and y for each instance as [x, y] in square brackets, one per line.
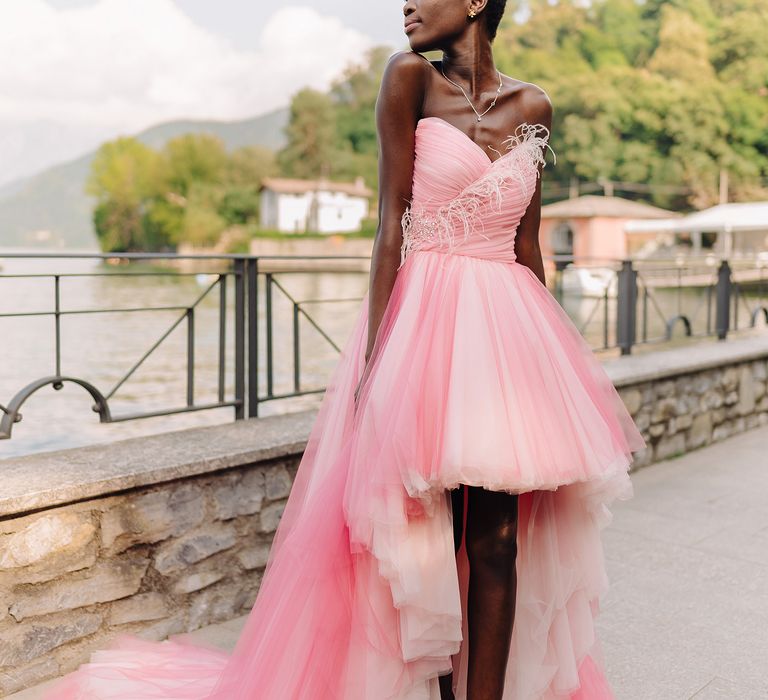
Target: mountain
[51, 209]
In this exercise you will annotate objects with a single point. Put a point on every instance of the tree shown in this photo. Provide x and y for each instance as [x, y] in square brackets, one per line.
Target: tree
[354, 95]
[193, 158]
[657, 92]
[202, 223]
[311, 136]
[125, 177]
[190, 191]
[249, 164]
[683, 50]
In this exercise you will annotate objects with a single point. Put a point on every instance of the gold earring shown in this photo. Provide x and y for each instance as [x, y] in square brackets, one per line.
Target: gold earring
[471, 13]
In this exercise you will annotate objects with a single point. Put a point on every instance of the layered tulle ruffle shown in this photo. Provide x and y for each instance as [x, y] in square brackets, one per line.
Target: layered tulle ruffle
[477, 377]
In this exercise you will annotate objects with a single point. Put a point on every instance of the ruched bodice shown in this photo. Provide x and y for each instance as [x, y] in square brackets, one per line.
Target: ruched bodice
[464, 202]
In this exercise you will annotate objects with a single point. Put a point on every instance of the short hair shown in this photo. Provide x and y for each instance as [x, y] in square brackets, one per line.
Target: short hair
[494, 11]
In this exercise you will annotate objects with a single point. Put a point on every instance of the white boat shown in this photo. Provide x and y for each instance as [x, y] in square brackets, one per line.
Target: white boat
[589, 281]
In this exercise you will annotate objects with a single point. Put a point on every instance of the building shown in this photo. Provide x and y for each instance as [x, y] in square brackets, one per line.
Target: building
[593, 227]
[733, 229]
[314, 206]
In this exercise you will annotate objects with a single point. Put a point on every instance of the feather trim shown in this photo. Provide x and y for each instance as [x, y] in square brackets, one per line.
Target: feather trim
[525, 151]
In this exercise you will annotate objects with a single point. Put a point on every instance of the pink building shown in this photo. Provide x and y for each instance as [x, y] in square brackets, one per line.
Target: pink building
[592, 226]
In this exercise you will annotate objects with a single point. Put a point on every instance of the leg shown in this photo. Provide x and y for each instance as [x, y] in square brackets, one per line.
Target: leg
[491, 540]
[457, 505]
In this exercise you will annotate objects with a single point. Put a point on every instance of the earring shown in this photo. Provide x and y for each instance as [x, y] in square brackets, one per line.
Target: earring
[471, 13]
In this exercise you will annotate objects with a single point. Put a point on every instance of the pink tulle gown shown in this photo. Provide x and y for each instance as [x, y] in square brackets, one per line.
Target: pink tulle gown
[477, 377]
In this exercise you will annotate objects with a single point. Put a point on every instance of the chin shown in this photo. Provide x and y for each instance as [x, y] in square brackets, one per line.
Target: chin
[420, 46]
[419, 40]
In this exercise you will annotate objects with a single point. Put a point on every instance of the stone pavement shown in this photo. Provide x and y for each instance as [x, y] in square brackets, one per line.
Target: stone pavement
[687, 613]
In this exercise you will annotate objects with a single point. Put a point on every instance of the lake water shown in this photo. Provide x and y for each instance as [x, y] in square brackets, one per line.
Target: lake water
[101, 348]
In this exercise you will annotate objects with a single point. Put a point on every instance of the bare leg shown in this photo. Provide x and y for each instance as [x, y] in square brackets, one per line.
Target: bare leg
[457, 503]
[491, 540]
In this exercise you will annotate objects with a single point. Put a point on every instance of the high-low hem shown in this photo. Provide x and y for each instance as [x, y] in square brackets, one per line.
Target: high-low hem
[477, 376]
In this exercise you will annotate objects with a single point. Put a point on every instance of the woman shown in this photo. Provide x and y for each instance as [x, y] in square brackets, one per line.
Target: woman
[467, 429]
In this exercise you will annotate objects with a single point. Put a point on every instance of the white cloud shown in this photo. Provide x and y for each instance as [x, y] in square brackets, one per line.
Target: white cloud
[124, 65]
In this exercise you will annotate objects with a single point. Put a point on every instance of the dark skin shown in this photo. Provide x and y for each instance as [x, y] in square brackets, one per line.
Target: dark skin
[412, 88]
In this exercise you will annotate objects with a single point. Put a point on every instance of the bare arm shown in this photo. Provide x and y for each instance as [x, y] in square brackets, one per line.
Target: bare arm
[527, 248]
[398, 108]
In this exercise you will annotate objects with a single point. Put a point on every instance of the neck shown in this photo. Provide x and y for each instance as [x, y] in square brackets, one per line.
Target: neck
[470, 61]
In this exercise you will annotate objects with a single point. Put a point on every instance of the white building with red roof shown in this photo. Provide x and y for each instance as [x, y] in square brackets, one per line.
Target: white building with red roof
[313, 206]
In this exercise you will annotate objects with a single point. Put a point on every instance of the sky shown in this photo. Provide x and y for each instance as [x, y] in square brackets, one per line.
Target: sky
[77, 72]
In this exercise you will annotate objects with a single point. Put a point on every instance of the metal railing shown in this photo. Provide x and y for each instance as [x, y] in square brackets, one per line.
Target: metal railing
[649, 301]
[622, 315]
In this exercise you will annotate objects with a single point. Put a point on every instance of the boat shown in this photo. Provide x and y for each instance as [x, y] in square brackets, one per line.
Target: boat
[589, 281]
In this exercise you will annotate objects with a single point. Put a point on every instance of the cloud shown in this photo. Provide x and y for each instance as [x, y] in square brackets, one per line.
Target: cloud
[124, 65]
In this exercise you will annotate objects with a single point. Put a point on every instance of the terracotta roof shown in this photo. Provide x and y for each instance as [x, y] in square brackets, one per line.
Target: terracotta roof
[590, 205]
[285, 185]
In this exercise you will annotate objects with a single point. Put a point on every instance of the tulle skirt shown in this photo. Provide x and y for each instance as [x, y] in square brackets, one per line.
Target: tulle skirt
[477, 377]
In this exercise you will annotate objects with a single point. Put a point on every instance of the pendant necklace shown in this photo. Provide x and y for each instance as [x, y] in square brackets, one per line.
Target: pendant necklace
[478, 114]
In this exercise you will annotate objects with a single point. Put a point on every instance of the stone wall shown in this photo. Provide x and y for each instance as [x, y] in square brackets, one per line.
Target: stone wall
[153, 561]
[678, 415]
[686, 405]
[167, 533]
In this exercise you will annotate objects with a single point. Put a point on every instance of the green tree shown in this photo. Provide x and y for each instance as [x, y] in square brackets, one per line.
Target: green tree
[246, 168]
[664, 93]
[193, 158]
[249, 164]
[202, 223]
[125, 177]
[683, 49]
[354, 94]
[190, 191]
[311, 136]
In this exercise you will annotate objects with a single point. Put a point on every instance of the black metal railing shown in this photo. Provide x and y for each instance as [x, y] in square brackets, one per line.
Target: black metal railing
[632, 302]
[653, 301]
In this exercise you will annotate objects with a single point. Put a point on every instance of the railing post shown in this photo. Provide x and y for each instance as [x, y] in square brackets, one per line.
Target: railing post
[626, 307]
[222, 335]
[269, 333]
[190, 357]
[57, 300]
[253, 337]
[239, 338]
[560, 265]
[723, 303]
[296, 349]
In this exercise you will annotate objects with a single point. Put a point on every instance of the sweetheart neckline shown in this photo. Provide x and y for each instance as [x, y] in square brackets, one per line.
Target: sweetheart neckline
[477, 145]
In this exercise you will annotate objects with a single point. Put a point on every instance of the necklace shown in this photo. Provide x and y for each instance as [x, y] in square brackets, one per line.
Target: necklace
[478, 114]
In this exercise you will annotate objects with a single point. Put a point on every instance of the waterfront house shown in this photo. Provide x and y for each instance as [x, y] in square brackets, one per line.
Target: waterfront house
[315, 206]
[593, 226]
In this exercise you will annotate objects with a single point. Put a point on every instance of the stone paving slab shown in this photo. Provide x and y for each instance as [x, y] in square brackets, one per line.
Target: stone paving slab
[687, 613]
[686, 617]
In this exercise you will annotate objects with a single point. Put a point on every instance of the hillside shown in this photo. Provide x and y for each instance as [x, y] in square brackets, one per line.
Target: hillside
[55, 201]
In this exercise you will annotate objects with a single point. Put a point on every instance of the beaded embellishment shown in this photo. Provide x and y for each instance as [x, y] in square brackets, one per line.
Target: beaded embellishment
[525, 151]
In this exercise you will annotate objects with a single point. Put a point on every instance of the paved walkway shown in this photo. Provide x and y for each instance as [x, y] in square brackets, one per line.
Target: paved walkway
[687, 614]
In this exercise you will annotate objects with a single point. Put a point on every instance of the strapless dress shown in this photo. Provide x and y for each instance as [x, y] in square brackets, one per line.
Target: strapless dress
[477, 377]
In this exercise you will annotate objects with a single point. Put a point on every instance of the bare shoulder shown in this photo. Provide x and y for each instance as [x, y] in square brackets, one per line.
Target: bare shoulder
[537, 105]
[406, 63]
[404, 81]
[533, 103]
